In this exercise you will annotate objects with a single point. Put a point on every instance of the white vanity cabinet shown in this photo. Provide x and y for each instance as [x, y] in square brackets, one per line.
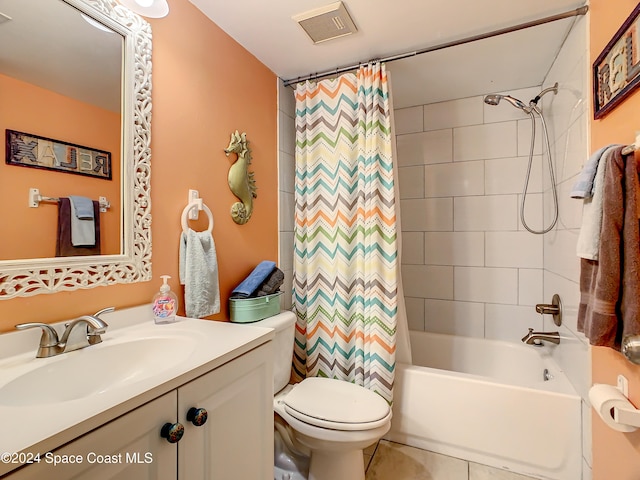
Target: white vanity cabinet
[235, 442]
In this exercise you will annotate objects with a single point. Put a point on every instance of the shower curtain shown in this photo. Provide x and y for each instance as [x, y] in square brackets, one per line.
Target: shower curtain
[345, 279]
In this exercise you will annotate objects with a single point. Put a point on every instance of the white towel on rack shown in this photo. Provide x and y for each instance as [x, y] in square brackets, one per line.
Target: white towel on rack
[588, 244]
[199, 274]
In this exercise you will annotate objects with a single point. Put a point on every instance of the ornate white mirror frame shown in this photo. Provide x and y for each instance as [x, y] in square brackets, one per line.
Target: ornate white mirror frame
[19, 278]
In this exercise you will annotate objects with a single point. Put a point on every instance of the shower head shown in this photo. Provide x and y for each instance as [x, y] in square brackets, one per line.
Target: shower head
[495, 98]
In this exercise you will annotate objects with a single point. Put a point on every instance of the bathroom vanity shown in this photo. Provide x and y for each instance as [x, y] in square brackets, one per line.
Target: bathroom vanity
[129, 426]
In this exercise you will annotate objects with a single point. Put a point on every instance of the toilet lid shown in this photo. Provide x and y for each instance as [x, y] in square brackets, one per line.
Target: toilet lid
[336, 404]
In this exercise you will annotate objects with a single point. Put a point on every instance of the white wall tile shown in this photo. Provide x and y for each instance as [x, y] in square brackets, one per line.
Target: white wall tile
[454, 318]
[480, 142]
[425, 281]
[560, 254]
[492, 285]
[532, 212]
[569, 292]
[286, 172]
[285, 261]
[454, 248]
[530, 290]
[286, 134]
[286, 212]
[507, 175]
[513, 249]
[524, 138]
[570, 151]
[454, 179]
[415, 313]
[286, 100]
[493, 212]
[408, 120]
[412, 248]
[510, 322]
[422, 215]
[570, 208]
[453, 113]
[411, 181]
[425, 148]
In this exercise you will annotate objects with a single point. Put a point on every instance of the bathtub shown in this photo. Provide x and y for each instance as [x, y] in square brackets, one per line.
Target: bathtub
[492, 402]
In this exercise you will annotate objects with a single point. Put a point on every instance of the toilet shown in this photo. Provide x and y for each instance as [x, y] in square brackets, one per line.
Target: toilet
[332, 420]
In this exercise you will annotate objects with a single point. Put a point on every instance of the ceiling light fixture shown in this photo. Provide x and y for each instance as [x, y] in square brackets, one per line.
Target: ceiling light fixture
[147, 8]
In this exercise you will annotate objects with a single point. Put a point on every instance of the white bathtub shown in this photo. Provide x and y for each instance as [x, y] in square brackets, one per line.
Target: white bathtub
[486, 401]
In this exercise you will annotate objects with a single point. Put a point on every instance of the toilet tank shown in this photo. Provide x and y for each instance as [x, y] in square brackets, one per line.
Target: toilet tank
[284, 325]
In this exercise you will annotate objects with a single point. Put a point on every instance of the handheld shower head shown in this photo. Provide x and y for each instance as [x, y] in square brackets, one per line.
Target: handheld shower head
[495, 98]
[492, 99]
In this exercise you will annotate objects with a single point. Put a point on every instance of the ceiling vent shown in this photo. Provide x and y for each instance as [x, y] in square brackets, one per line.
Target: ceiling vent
[326, 23]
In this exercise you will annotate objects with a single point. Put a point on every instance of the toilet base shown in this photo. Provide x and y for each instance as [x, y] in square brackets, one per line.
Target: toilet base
[334, 465]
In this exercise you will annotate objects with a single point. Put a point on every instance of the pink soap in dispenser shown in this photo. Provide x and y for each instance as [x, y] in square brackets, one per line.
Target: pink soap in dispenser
[165, 303]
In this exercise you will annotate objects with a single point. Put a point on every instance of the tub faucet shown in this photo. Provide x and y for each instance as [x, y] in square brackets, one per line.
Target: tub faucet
[536, 338]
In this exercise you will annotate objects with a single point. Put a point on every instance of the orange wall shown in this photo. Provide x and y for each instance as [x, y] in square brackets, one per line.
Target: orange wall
[615, 455]
[205, 85]
[31, 109]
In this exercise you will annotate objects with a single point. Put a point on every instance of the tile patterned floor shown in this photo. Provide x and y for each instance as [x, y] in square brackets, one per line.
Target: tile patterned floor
[394, 461]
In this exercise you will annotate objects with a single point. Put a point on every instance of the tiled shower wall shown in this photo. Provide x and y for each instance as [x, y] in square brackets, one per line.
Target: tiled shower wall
[286, 177]
[469, 266]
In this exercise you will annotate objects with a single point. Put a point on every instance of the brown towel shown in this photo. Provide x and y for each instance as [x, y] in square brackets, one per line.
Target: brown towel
[64, 248]
[610, 288]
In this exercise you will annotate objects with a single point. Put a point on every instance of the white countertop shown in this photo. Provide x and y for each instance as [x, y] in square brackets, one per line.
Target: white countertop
[43, 426]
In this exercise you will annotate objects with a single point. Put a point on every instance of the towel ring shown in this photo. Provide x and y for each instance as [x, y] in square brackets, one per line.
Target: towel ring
[185, 212]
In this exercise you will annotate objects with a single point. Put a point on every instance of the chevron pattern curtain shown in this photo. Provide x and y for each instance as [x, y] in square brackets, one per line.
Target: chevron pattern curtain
[345, 249]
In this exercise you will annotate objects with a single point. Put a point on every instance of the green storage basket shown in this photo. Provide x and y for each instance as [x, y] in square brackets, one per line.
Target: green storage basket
[247, 310]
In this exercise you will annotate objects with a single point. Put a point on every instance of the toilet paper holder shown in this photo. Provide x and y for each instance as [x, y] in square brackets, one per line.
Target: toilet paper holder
[625, 416]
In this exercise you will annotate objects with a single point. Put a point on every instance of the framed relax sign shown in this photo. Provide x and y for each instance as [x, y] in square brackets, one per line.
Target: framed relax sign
[616, 71]
[27, 150]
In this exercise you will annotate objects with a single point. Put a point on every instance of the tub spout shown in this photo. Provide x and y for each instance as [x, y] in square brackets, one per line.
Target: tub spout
[536, 338]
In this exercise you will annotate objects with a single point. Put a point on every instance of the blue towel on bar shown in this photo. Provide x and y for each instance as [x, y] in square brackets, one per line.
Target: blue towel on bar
[255, 278]
[83, 226]
[83, 207]
[584, 186]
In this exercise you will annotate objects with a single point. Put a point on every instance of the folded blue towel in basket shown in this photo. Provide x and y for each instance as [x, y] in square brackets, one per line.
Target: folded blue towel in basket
[253, 281]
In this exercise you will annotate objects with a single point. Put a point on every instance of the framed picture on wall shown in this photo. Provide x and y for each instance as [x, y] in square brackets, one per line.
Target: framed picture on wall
[27, 150]
[616, 71]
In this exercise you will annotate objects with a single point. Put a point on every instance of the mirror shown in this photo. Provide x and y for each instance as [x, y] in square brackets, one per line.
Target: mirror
[120, 86]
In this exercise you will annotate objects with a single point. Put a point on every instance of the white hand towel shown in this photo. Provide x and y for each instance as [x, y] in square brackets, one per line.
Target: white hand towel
[199, 274]
[588, 244]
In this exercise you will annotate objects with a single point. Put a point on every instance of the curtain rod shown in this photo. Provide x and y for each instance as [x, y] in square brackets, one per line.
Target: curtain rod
[534, 23]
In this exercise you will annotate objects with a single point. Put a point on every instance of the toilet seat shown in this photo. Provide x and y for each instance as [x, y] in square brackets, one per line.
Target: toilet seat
[336, 404]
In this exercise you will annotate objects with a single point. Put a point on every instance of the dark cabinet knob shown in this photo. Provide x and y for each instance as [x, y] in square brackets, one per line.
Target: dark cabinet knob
[197, 416]
[172, 432]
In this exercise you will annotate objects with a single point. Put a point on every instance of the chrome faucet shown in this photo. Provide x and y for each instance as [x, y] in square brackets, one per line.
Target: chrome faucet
[79, 333]
[536, 338]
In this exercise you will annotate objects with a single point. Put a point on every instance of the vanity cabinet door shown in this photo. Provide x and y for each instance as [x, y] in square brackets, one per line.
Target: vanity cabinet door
[236, 440]
[128, 448]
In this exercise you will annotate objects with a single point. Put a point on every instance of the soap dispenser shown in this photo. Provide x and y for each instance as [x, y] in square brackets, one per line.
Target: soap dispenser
[165, 303]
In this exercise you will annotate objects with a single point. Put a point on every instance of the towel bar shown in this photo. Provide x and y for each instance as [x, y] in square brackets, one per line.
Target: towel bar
[35, 198]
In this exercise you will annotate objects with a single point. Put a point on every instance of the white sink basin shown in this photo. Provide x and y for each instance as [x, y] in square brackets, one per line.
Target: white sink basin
[93, 370]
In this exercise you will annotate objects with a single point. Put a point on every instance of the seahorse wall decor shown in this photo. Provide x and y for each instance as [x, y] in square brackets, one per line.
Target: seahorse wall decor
[241, 181]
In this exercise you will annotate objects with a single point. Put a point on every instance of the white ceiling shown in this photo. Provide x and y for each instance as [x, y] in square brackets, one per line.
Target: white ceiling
[48, 43]
[386, 28]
